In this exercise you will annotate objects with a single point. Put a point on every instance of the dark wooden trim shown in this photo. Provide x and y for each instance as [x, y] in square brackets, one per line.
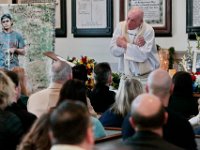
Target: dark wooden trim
[62, 31]
[121, 10]
[110, 137]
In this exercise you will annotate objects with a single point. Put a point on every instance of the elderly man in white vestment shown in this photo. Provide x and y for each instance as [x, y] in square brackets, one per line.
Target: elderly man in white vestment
[133, 42]
[42, 101]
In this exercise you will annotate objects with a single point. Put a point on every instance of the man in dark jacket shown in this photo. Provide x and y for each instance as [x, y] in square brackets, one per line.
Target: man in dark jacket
[147, 117]
[17, 107]
[177, 130]
[101, 97]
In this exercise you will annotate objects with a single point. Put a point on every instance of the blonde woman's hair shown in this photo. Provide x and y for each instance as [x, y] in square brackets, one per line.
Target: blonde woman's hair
[129, 89]
[7, 90]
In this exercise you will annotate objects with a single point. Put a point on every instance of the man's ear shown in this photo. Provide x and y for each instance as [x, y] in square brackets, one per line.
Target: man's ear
[132, 122]
[171, 88]
[50, 134]
[146, 88]
[90, 136]
[166, 117]
[110, 79]
[69, 76]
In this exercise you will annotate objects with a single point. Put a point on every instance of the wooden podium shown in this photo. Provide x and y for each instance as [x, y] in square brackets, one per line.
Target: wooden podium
[56, 57]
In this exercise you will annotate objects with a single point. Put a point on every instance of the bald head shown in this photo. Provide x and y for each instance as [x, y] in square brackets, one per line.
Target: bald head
[147, 112]
[159, 83]
[61, 71]
[134, 18]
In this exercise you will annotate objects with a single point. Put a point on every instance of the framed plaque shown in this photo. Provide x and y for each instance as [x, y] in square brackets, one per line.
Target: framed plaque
[196, 61]
[158, 13]
[92, 18]
[192, 18]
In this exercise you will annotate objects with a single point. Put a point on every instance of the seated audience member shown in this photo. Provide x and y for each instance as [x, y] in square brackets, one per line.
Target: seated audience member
[147, 118]
[101, 97]
[129, 89]
[25, 92]
[10, 125]
[17, 107]
[195, 121]
[80, 72]
[177, 130]
[70, 127]
[37, 138]
[182, 100]
[42, 101]
[75, 90]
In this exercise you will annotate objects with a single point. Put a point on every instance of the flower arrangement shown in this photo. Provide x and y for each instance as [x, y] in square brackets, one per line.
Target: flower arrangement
[196, 81]
[115, 80]
[89, 64]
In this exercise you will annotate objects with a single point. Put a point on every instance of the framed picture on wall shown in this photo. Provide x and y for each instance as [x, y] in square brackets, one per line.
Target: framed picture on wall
[158, 13]
[192, 18]
[60, 14]
[196, 61]
[92, 18]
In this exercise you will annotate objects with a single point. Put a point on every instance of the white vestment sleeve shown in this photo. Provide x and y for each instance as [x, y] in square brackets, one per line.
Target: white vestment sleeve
[116, 50]
[140, 54]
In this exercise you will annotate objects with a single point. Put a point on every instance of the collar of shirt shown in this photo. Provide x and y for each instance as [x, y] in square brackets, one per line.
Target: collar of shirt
[54, 85]
[132, 34]
[66, 147]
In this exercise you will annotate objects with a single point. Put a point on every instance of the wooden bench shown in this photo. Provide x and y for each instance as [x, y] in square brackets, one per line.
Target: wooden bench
[112, 133]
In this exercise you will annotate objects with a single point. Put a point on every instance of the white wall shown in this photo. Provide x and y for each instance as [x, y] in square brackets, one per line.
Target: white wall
[98, 48]
[5, 1]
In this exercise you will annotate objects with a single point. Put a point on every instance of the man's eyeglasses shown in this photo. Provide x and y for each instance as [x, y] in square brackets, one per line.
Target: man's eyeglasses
[4, 21]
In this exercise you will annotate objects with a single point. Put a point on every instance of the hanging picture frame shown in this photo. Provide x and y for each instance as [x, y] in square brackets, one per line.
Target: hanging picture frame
[192, 19]
[92, 18]
[158, 13]
[196, 61]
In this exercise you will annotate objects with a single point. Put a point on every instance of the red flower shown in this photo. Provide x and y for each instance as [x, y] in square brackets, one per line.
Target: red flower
[193, 77]
[84, 59]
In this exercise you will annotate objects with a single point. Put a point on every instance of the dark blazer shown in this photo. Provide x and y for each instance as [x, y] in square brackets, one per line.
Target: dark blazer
[11, 130]
[101, 98]
[177, 131]
[187, 106]
[110, 119]
[27, 118]
[146, 140]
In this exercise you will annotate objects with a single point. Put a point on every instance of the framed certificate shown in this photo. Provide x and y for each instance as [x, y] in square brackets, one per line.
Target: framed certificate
[92, 18]
[192, 18]
[196, 61]
[158, 13]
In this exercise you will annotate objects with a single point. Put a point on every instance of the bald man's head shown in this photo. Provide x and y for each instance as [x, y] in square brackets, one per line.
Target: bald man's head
[61, 71]
[159, 83]
[147, 112]
[134, 18]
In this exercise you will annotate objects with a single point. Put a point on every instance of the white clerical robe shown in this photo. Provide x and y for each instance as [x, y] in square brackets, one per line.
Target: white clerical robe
[131, 58]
